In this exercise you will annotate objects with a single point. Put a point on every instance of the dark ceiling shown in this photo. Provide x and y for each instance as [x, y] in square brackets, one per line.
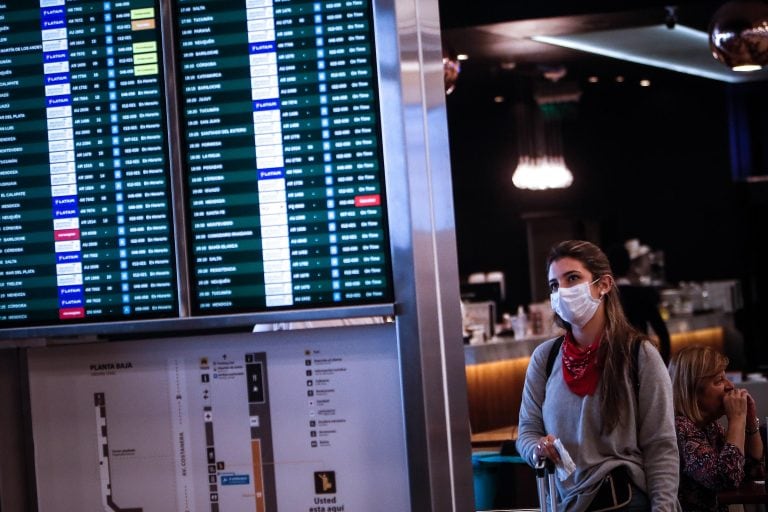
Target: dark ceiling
[458, 14]
[496, 35]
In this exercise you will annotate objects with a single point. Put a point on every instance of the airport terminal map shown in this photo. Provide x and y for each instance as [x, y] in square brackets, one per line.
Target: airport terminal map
[260, 422]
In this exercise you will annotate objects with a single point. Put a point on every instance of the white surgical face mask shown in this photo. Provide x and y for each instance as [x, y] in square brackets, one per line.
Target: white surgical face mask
[575, 305]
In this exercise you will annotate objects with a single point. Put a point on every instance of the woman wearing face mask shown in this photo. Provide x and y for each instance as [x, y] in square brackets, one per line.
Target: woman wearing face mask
[614, 420]
[713, 457]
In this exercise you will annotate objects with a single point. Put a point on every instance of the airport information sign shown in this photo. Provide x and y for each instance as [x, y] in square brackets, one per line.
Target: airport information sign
[85, 206]
[283, 154]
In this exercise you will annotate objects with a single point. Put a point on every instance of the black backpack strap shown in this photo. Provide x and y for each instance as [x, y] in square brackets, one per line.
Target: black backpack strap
[551, 361]
[553, 354]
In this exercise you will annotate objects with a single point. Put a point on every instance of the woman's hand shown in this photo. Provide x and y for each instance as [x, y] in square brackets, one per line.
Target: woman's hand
[751, 407]
[736, 404]
[545, 449]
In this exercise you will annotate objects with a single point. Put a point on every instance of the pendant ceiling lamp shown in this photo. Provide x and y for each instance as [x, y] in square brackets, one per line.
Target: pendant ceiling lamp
[451, 70]
[541, 164]
[738, 34]
[542, 173]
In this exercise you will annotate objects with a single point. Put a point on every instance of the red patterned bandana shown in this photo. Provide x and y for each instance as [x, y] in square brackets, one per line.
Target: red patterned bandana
[581, 369]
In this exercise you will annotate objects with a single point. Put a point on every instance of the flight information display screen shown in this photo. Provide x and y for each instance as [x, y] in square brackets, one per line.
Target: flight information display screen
[236, 167]
[283, 158]
[86, 227]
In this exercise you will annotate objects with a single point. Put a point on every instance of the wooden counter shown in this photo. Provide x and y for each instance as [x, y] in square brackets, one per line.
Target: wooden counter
[693, 322]
[499, 348]
[494, 438]
[707, 328]
[495, 377]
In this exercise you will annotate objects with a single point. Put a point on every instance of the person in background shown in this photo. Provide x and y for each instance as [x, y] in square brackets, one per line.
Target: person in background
[607, 400]
[713, 457]
[639, 301]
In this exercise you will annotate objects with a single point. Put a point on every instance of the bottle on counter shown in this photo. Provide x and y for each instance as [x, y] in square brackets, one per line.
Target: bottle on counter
[520, 323]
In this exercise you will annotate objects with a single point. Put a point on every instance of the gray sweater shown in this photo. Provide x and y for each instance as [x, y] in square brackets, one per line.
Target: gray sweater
[645, 443]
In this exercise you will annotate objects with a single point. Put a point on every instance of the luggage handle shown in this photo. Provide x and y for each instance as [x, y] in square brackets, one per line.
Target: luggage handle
[545, 468]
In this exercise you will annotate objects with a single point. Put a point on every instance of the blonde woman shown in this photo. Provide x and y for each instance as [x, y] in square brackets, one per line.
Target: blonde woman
[713, 457]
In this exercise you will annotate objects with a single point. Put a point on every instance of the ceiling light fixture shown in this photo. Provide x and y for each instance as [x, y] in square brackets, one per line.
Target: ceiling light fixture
[541, 165]
[738, 35]
[684, 50]
[451, 69]
[542, 173]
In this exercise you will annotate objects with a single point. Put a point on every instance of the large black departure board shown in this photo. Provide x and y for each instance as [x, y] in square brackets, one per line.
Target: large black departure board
[272, 107]
[85, 219]
[283, 154]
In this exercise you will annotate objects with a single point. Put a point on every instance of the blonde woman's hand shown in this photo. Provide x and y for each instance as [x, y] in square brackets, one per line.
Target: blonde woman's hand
[751, 406]
[735, 403]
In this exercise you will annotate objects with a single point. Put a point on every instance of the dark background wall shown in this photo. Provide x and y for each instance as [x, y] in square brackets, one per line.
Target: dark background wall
[652, 163]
